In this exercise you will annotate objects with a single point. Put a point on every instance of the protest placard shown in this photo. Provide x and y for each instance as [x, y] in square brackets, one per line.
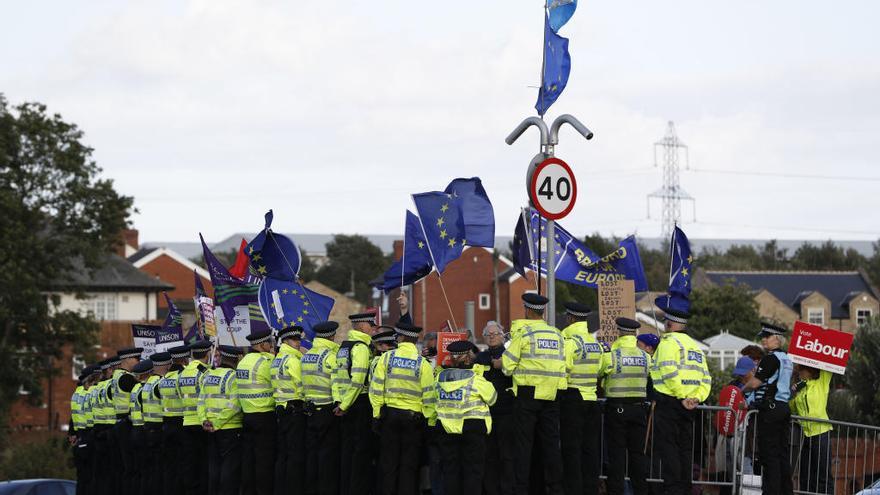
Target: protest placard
[145, 337]
[235, 332]
[823, 348]
[616, 298]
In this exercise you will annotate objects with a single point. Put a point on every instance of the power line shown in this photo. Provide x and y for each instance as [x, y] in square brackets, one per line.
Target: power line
[787, 175]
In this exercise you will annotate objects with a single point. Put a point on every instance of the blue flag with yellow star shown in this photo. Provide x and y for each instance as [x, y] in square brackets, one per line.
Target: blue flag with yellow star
[557, 67]
[286, 303]
[273, 255]
[229, 291]
[443, 225]
[415, 264]
[476, 210]
[575, 262]
[680, 264]
[560, 12]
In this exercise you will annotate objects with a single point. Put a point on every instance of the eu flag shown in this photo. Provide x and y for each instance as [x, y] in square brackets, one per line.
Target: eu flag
[557, 66]
[476, 209]
[415, 264]
[229, 291]
[286, 303]
[680, 264]
[273, 255]
[522, 245]
[443, 225]
[560, 12]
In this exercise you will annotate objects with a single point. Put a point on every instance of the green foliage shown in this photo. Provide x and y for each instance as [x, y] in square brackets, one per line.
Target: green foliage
[42, 458]
[863, 374]
[726, 307]
[352, 260]
[57, 218]
[720, 378]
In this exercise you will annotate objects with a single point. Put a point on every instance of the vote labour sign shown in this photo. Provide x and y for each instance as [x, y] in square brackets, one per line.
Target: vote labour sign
[819, 347]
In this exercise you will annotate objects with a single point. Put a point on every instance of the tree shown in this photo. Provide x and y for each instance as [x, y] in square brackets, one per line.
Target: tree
[863, 374]
[352, 262]
[726, 307]
[57, 218]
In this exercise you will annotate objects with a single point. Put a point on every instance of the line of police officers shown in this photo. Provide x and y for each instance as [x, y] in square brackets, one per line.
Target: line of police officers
[351, 418]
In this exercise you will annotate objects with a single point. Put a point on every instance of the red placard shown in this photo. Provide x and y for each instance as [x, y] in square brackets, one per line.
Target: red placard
[443, 340]
[553, 189]
[822, 348]
[726, 421]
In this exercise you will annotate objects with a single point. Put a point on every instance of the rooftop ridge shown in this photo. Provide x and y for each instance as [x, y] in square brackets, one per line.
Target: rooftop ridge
[784, 272]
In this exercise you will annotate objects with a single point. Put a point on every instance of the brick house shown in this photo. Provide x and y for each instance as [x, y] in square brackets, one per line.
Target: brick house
[470, 280]
[843, 300]
[172, 267]
[116, 295]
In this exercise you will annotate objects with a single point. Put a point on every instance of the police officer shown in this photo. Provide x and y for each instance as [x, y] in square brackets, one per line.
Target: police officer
[172, 422]
[152, 409]
[383, 341]
[80, 435]
[120, 388]
[772, 386]
[579, 410]
[625, 370]
[189, 384]
[463, 401]
[499, 474]
[352, 366]
[219, 411]
[681, 381]
[402, 396]
[322, 426]
[536, 360]
[105, 420]
[287, 382]
[255, 394]
[141, 371]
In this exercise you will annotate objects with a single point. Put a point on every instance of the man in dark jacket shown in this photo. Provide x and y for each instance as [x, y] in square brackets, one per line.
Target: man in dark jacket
[498, 478]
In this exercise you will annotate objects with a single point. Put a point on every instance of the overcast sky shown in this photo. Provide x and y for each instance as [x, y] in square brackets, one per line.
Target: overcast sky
[210, 112]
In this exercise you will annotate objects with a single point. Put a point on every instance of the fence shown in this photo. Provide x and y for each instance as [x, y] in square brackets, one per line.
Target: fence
[841, 461]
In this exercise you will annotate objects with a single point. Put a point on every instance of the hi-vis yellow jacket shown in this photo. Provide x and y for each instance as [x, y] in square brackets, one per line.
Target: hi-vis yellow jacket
[584, 355]
[463, 394]
[536, 358]
[680, 369]
[403, 379]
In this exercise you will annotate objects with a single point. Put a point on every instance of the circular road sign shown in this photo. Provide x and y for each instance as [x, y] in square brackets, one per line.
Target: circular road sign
[553, 189]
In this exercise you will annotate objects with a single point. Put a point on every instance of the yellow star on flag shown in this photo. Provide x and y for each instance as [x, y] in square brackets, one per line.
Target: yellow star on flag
[440, 222]
[684, 272]
[690, 259]
[294, 292]
[306, 303]
[305, 311]
[452, 242]
[421, 244]
[443, 234]
[256, 257]
[302, 296]
[300, 319]
[285, 291]
[444, 207]
[262, 269]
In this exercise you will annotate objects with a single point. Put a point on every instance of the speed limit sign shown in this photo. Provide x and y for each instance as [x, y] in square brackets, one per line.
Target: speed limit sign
[553, 189]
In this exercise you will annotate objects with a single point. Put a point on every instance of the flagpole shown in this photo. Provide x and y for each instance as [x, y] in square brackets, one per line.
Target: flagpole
[439, 277]
[527, 225]
[403, 258]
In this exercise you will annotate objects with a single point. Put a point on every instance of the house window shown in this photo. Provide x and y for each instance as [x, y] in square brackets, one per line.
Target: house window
[102, 306]
[862, 316]
[816, 316]
[485, 301]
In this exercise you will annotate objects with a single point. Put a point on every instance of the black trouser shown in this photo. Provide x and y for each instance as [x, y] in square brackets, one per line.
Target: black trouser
[625, 426]
[499, 476]
[258, 453]
[322, 445]
[290, 465]
[815, 464]
[535, 417]
[172, 461]
[401, 439]
[152, 461]
[121, 435]
[673, 442]
[195, 460]
[224, 465]
[463, 455]
[774, 447]
[356, 472]
[139, 468]
[102, 480]
[580, 421]
[83, 456]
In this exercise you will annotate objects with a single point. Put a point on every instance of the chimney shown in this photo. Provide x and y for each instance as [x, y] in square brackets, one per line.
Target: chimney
[129, 243]
[398, 250]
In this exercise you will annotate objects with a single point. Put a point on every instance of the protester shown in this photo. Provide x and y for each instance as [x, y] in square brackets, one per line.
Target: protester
[499, 475]
[811, 400]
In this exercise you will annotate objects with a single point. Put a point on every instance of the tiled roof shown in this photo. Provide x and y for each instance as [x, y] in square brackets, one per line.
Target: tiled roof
[791, 287]
[115, 274]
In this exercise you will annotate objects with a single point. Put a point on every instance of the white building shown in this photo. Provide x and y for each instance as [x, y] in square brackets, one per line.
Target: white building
[723, 349]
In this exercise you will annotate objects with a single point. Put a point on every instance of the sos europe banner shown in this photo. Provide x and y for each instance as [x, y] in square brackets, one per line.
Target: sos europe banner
[822, 348]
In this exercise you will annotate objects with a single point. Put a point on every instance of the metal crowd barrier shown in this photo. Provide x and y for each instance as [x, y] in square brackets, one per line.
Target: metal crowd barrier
[843, 461]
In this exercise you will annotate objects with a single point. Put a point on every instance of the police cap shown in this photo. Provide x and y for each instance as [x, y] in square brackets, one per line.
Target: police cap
[362, 318]
[407, 330]
[230, 351]
[627, 325]
[461, 347]
[179, 352]
[259, 336]
[142, 367]
[534, 301]
[577, 309]
[161, 359]
[291, 332]
[132, 352]
[768, 329]
[385, 337]
[200, 346]
[325, 329]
